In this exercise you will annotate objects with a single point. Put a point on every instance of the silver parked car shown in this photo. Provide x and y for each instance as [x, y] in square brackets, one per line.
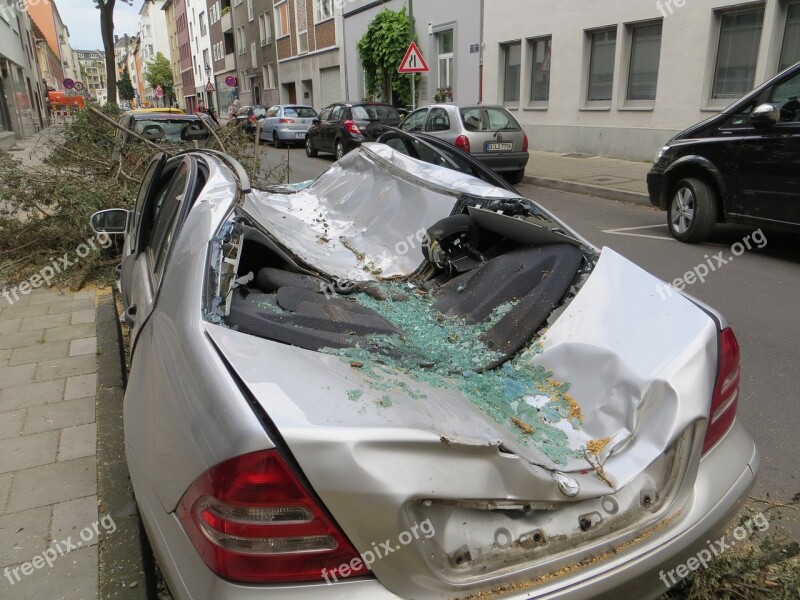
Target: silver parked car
[287, 124]
[435, 391]
[490, 133]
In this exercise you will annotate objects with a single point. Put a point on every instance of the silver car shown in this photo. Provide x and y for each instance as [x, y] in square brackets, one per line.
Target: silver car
[287, 124]
[490, 133]
[436, 391]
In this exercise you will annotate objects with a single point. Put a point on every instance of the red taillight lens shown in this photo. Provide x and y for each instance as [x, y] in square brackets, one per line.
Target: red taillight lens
[352, 127]
[251, 519]
[726, 390]
[462, 142]
[525, 144]
[285, 120]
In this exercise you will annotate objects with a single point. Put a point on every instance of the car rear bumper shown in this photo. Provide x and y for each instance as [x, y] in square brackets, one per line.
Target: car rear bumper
[726, 475]
[289, 136]
[508, 161]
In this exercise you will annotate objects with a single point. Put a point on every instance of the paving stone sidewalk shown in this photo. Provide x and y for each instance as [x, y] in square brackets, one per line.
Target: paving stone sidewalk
[611, 178]
[48, 436]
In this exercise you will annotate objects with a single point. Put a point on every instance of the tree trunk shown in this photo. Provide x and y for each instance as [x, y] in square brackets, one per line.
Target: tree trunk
[107, 31]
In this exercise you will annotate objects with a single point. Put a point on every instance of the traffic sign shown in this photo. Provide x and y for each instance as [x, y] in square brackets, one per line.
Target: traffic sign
[231, 81]
[413, 61]
[210, 87]
[69, 84]
[159, 92]
[78, 86]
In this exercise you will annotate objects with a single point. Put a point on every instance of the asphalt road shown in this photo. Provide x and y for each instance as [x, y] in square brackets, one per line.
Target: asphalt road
[758, 292]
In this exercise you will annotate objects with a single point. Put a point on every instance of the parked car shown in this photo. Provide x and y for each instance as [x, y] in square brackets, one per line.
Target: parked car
[401, 381]
[342, 127]
[287, 124]
[162, 127]
[247, 118]
[490, 133]
[739, 166]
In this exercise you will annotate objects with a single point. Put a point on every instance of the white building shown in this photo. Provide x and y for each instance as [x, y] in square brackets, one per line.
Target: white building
[200, 42]
[450, 42]
[620, 78]
[154, 38]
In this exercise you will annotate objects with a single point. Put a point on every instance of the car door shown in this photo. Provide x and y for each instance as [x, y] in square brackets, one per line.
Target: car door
[415, 122]
[767, 160]
[316, 131]
[162, 213]
[270, 121]
[439, 125]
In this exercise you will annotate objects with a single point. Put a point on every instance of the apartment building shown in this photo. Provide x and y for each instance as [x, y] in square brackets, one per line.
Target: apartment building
[619, 79]
[450, 42]
[310, 54]
[93, 74]
[223, 53]
[256, 51]
[154, 39]
[188, 99]
[21, 109]
[200, 44]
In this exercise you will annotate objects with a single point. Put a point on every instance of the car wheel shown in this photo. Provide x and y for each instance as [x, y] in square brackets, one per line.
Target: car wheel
[276, 140]
[311, 152]
[340, 150]
[692, 212]
[515, 177]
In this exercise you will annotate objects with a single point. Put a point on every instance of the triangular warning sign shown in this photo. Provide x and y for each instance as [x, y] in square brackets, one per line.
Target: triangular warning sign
[413, 61]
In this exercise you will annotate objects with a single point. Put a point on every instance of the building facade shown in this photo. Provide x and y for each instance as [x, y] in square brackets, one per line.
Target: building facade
[174, 54]
[200, 44]
[189, 99]
[21, 104]
[93, 74]
[223, 53]
[154, 38]
[450, 42]
[619, 79]
[256, 51]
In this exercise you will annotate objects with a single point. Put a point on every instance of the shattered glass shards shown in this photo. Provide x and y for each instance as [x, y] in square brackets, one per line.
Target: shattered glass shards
[446, 353]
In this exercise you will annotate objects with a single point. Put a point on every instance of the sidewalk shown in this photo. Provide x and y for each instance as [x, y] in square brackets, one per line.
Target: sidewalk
[48, 436]
[610, 178]
[33, 150]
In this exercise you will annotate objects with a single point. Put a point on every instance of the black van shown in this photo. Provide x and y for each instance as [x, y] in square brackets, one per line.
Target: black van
[740, 166]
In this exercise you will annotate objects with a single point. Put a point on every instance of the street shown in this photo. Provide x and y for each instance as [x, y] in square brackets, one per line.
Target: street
[756, 292]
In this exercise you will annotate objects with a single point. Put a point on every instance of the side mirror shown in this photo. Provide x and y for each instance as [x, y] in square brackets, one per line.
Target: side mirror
[765, 115]
[113, 221]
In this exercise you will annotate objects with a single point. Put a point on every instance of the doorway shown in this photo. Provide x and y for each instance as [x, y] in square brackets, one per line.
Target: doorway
[291, 92]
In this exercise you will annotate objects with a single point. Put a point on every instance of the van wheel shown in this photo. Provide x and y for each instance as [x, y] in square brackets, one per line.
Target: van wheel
[693, 211]
[311, 152]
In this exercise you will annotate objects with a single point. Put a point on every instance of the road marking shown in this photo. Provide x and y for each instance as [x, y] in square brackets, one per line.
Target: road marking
[626, 230]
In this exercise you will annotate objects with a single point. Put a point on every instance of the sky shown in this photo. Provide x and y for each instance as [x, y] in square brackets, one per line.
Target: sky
[83, 21]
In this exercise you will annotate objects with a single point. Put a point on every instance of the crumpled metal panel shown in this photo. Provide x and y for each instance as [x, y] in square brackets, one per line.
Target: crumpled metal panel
[368, 214]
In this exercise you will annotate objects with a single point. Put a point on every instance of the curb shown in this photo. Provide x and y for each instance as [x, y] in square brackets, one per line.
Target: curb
[589, 190]
[125, 563]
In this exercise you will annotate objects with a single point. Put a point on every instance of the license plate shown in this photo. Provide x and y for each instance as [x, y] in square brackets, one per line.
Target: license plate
[499, 146]
[300, 135]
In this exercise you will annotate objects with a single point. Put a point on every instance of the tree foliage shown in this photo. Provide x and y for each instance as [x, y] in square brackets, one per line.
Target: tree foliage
[159, 72]
[381, 51]
[125, 87]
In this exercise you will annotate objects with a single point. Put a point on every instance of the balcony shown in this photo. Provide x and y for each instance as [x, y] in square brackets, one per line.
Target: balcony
[227, 21]
[230, 62]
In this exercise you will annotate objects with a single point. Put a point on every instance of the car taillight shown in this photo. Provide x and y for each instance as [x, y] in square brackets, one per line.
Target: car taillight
[352, 127]
[462, 142]
[525, 144]
[726, 390]
[251, 519]
[286, 120]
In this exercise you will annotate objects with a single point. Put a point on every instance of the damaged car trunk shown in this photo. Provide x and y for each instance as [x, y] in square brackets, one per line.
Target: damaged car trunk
[411, 316]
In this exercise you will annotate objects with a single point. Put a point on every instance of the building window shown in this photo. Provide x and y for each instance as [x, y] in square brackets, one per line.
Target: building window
[272, 80]
[739, 39]
[202, 18]
[540, 50]
[512, 63]
[282, 19]
[253, 55]
[250, 13]
[323, 10]
[790, 53]
[244, 82]
[241, 40]
[301, 20]
[446, 59]
[205, 60]
[644, 62]
[265, 28]
[603, 46]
